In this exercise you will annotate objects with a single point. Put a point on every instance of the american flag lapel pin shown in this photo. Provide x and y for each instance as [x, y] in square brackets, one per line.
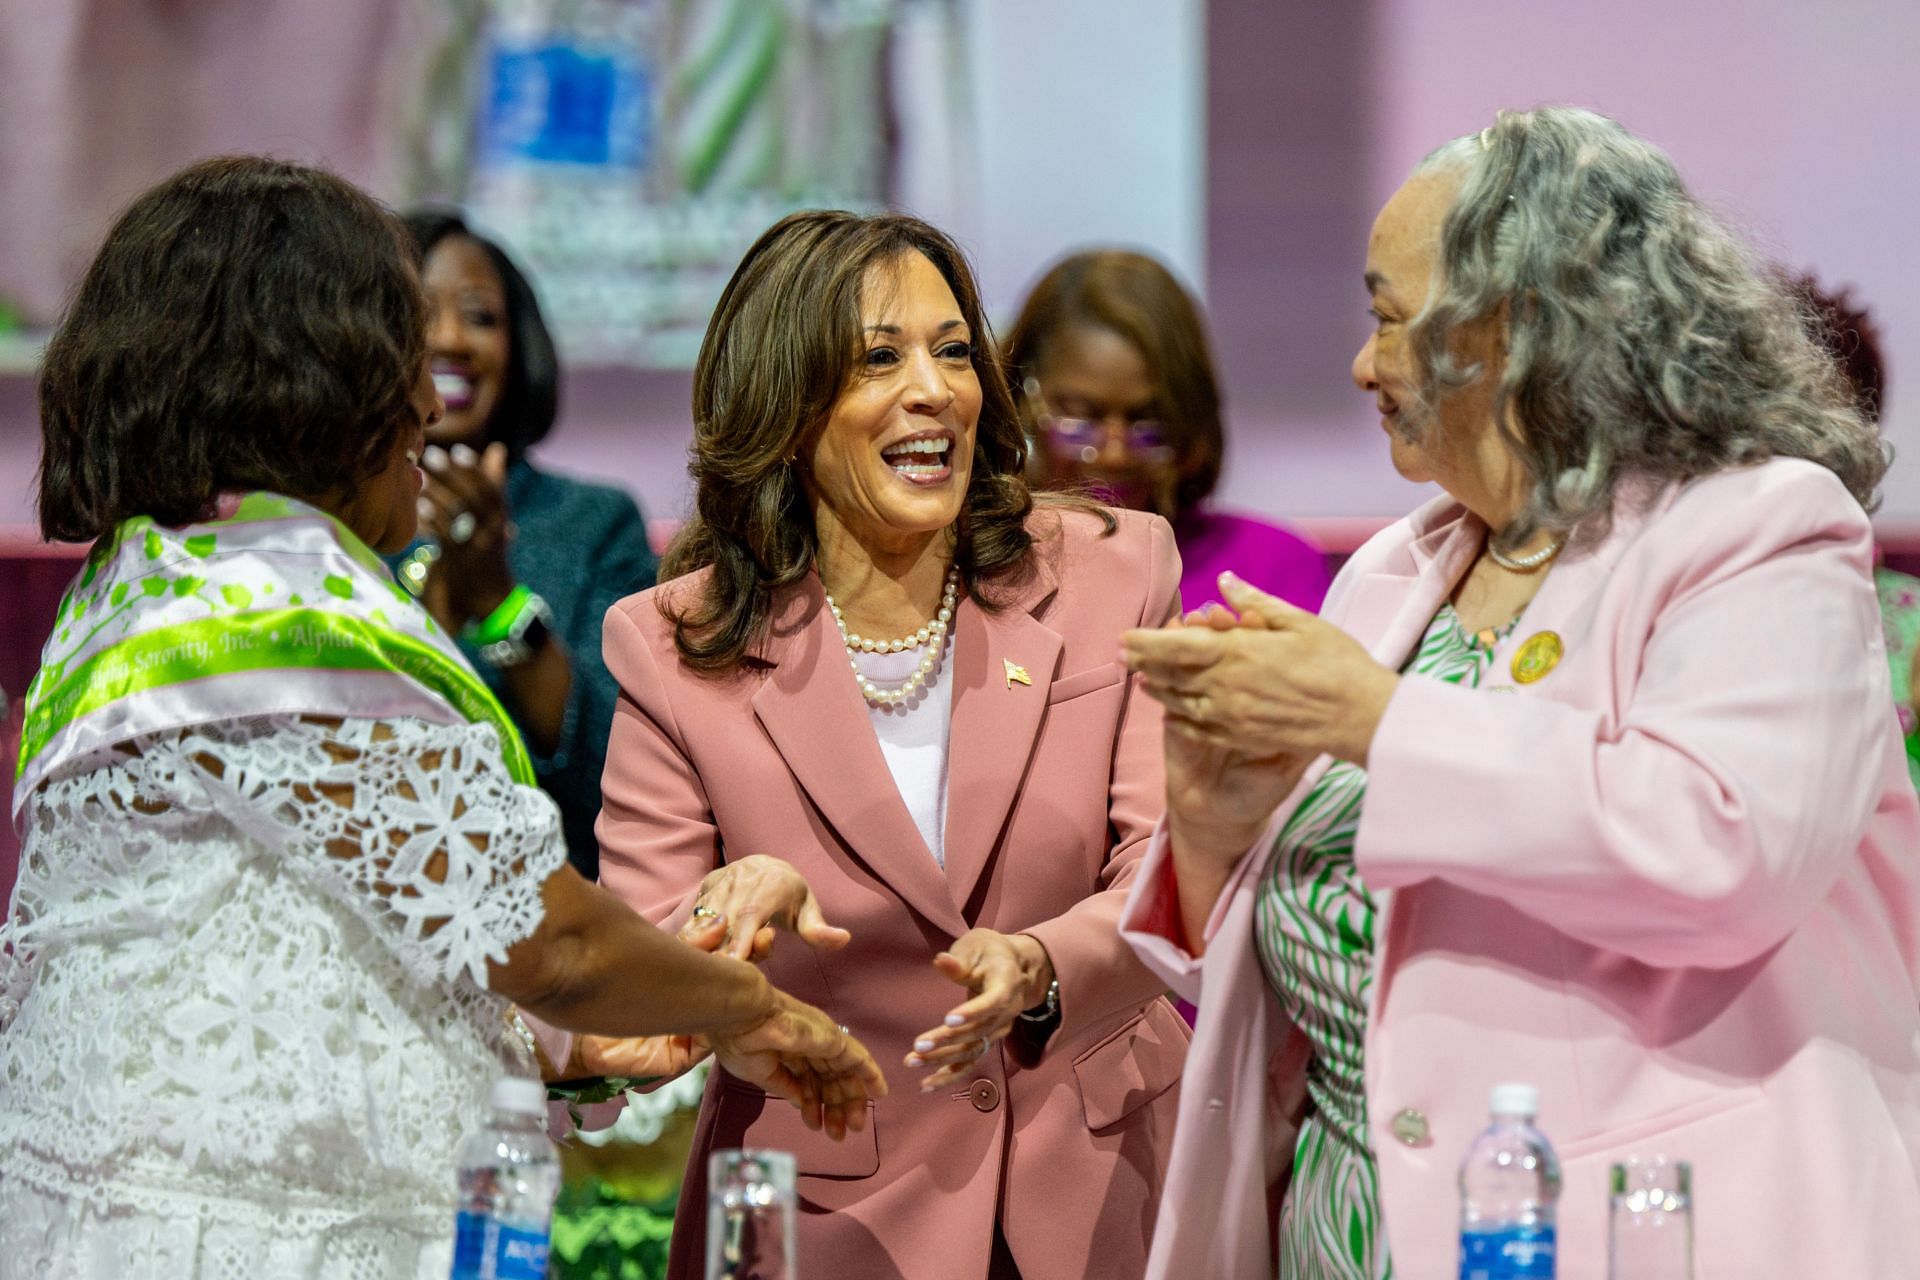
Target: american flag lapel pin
[1016, 674]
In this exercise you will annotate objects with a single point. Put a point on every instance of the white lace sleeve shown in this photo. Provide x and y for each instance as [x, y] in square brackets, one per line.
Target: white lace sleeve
[416, 827]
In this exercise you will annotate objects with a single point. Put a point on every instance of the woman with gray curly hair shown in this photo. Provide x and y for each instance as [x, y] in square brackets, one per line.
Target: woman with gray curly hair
[1670, 878]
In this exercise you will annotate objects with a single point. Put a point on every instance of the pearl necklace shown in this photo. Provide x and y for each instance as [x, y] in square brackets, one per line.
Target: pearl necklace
[933, 636]
[1524, 564]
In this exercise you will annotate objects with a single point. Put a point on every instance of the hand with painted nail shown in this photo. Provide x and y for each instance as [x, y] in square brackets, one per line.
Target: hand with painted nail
[1006, 974]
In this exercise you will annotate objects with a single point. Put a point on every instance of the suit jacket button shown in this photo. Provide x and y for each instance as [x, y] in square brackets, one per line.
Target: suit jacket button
[985, 1095]
[1410, 1127]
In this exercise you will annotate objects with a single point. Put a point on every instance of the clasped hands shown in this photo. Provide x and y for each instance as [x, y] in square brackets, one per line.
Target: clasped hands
[1253, 694]
[790, 1049]
[1005, 974]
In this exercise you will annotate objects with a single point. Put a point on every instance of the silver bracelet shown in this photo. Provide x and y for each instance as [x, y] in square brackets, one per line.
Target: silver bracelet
[1047, 1009]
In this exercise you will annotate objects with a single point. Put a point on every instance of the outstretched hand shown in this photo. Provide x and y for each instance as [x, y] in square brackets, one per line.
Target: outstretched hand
[1005, 975]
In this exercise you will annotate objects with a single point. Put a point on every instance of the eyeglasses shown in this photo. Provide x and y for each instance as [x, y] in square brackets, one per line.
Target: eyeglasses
[1145, 438]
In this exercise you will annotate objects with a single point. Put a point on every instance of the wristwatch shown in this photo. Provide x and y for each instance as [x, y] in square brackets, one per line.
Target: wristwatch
[514, 631]
[1047, 1010]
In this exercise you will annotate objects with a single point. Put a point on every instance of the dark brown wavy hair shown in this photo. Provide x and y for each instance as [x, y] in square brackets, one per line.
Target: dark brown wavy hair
[1134, 296]
[248, 324]
[784, 342]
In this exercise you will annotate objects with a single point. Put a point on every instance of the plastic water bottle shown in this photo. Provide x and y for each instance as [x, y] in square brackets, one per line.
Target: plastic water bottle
[1508, 1184]
[509, 1176]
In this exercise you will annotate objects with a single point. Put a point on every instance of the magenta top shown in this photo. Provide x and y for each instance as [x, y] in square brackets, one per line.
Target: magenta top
[1270, 556]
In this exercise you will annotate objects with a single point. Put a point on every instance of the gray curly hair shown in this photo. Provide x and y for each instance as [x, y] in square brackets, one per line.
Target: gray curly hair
[1643, 338]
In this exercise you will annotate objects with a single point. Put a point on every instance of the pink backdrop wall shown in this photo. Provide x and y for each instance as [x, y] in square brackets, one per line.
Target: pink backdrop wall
[1798, 119]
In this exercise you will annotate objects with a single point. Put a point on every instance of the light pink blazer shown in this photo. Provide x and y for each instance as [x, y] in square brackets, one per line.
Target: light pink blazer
[1672, 883]
[1054, 788]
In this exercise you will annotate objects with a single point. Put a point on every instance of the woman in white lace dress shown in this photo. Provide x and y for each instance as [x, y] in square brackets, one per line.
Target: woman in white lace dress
[284, 862]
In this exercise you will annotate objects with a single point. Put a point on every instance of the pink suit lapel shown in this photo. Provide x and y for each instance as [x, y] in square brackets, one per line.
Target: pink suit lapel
[1387, 611]
[815, 715]
[1437, 561]
[996, 721]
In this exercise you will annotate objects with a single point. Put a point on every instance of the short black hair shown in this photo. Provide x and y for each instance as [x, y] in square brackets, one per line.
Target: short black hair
[248, 323]
[531, 396]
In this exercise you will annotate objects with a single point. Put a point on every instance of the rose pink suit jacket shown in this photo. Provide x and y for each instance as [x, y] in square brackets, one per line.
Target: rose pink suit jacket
[1672, 883]
[1054, 788]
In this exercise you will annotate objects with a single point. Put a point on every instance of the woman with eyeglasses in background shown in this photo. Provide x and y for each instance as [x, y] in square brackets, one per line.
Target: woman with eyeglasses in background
[1121, 400]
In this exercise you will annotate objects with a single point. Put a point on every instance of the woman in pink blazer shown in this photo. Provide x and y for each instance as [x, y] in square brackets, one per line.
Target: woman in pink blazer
[949, 819]
[1660, 862]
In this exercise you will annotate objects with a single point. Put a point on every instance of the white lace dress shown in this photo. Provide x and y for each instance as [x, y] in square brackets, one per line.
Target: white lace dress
[244, 1023]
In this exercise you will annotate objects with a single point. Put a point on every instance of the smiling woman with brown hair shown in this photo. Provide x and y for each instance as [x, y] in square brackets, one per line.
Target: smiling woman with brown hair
[881, 704]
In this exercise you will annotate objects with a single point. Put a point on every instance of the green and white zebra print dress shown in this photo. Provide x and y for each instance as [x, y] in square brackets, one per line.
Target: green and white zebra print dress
[1314, 927]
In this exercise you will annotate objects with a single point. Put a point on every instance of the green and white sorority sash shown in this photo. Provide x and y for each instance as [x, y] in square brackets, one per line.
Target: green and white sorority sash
[273, 608]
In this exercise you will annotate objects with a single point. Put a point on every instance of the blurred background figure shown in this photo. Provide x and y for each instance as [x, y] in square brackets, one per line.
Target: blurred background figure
[1846, 330]
[517, 563]
[1120, 400]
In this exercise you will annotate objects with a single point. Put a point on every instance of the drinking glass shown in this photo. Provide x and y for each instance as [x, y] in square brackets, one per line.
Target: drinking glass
[1651, 1220]
[750, 1216]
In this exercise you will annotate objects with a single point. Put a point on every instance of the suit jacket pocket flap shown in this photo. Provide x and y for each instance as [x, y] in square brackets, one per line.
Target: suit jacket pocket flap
[750, 1118]
[1131, 1067]
[1091, 680]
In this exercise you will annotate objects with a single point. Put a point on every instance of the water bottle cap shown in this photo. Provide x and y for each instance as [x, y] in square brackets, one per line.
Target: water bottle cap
[1518, 1101]
[520, 1096]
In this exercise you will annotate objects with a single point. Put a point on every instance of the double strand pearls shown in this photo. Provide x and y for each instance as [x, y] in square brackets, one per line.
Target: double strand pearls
[932, 637]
